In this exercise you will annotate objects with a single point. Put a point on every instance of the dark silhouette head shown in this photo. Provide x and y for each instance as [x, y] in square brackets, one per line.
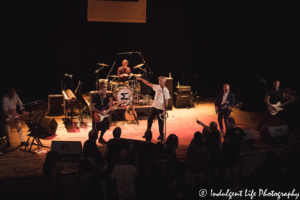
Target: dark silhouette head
[93, 135]
[117, 132]
[198, 139]
[172, 142]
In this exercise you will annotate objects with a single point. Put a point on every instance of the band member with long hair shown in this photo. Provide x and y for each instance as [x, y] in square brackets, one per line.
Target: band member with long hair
[160, 103]
[9, 104]
[99, 104]
[225, 97]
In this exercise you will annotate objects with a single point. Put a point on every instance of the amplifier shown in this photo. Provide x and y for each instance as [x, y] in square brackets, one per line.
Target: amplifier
[183, 100]
[56, 104]
[183, 89]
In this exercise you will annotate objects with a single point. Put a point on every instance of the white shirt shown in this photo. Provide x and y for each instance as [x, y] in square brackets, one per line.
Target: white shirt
[124, 175]
[159, 96]
[224, 100]
[11, 104]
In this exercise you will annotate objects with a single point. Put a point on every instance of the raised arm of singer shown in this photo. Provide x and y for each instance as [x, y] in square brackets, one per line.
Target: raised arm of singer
[160, 103]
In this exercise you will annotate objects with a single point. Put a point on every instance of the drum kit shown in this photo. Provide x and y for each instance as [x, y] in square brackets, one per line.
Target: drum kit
[128, 91]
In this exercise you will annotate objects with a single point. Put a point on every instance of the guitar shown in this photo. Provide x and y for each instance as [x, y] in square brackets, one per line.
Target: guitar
[98, 117]
[130, 113]
[225, 106]
[275, 108]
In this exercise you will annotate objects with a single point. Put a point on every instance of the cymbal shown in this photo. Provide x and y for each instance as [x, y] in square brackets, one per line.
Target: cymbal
[102, 64]
[139, 75]
[138, 66]
[114, 76]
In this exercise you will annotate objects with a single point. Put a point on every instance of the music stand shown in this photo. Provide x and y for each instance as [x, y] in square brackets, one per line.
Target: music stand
[35, 132]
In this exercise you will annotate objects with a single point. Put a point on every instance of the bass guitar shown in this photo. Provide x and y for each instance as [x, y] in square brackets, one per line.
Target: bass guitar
[98, 117]
[275, 108]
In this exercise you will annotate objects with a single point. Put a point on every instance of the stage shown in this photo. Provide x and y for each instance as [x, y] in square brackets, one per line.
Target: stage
[182, 122]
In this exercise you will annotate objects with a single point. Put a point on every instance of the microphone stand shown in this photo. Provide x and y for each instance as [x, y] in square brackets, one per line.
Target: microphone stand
[97, 79]
[165, 117]
[150, 72]
[265, 86]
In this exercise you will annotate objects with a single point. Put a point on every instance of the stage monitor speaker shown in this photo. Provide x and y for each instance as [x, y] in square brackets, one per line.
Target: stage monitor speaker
[68, 151]
[183, 100]
[275, 134]
[169, 84]
[249, 139]
[46, 125]
[56, 104]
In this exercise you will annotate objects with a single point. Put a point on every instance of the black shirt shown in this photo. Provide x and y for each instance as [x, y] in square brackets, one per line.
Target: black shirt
[90, 149]
[235, 136]
[100, 104]
[160, 168]
[275, 96]
[115, 146]
[145, 151]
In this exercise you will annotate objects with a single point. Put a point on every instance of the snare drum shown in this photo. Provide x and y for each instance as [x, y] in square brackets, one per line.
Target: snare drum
[124, 94]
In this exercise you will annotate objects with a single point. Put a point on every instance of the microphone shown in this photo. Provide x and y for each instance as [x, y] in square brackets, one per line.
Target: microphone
[70, 75]
[262, 80]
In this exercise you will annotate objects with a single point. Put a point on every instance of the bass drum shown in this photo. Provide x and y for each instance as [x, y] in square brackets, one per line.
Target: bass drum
[124, 95]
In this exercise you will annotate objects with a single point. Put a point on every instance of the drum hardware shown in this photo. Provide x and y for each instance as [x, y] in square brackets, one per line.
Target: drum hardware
[102, 64]
[138, 66]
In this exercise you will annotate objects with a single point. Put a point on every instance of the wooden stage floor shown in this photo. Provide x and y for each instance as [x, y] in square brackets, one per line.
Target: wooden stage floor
[182, 122]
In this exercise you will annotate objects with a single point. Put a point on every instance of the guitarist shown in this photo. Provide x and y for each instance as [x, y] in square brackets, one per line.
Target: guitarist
[275, 95]
[224, 98]
[99, 104]
[9, 104]
[160, 103]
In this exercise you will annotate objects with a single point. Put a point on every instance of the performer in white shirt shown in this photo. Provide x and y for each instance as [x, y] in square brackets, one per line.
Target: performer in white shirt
[9, 104]
[160, 103]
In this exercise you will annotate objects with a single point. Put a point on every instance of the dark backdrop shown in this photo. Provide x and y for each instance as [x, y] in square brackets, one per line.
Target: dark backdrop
[235, 42]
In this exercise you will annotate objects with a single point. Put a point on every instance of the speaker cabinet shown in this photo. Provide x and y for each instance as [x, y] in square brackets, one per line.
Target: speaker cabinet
[275, 134]
[249, 139]
[183, 100]
[169, 84]
[56, 104]
[170, 102]
[68, 151]
[46, 125]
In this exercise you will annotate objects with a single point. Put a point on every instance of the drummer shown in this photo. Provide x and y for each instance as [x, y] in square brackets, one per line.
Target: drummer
[124, 71]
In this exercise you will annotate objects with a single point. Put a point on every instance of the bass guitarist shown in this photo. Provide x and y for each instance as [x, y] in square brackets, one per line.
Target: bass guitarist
[99, 104]
[274, 96]
[223, 104]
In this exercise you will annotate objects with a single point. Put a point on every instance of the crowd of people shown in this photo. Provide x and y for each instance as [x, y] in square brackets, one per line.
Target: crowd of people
[144, 170]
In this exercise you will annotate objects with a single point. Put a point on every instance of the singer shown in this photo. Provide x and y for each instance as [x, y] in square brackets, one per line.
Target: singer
[223, 104]
[160, 103]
